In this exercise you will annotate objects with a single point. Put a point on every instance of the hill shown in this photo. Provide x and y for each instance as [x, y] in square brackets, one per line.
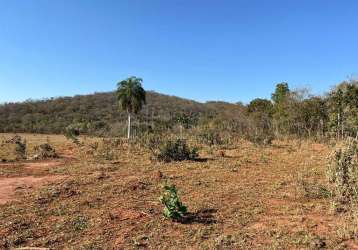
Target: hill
[101, 113]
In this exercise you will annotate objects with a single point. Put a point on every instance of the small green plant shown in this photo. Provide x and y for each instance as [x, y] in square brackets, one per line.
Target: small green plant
[174, 208]
[79, 223]
[177, 150]
[342, 173]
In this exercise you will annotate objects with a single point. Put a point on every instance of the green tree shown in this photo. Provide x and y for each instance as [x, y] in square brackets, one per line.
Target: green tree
[281, 93]
[131, 97]
[343, 109]
[281, 100]
[261, 111]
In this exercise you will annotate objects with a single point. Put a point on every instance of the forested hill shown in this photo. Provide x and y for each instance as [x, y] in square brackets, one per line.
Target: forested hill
[100, 112]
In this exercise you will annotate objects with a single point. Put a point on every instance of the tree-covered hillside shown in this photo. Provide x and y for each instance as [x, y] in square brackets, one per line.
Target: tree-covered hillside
[100, 113]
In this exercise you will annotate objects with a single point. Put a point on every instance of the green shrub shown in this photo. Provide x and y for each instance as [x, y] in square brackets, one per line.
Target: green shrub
[177, 150]
[174, 208]
[342, 173]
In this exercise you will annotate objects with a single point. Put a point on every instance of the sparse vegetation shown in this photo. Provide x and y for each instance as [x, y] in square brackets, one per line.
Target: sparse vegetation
[240, 195]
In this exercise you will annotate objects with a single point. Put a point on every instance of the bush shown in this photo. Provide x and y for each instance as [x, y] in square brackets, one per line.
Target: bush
[177, 150]
[72, 132]
[106, 149]
[174, 208]
[44, 151]
[13, 149]
[342, 173]
[210, 138]
[260, 138]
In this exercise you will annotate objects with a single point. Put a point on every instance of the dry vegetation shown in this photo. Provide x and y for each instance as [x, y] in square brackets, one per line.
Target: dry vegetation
[238, 197]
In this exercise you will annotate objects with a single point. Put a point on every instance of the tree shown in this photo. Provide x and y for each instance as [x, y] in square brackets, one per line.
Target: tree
[281, 102]
[261, 110]
[281, 93]
[343, 109]
[131, 97]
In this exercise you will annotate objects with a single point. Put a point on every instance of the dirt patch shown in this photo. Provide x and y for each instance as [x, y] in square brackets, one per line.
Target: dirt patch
[43, 164]
[9, 186]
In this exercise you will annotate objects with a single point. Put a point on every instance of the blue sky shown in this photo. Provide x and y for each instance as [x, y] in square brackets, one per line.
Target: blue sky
[232, 50]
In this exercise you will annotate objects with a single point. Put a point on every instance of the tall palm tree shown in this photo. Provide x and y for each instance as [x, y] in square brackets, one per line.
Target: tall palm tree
[131, 97]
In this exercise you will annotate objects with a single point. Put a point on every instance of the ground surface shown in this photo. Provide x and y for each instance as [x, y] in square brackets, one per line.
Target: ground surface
[238, 198]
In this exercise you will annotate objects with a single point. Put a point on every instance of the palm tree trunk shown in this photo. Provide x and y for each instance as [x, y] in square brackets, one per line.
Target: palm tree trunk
[129, 125]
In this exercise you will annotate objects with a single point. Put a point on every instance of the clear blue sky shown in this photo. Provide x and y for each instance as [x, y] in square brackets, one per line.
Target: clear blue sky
[233, 50]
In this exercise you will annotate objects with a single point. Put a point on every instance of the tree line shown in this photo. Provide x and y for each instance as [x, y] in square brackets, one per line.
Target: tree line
[287, 113]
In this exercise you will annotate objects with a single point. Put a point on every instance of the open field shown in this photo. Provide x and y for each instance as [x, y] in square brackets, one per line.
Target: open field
[240, 197]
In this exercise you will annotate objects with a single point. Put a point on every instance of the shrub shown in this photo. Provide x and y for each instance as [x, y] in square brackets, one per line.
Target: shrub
[342, 173]
[44, 151]
[177, 150]
[210, 138]
[72, 132]
[174, 208]
[106, 149]
[13, 149]
[260, 138]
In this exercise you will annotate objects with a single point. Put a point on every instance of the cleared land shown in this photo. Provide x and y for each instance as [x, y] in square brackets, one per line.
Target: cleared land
[239, 197]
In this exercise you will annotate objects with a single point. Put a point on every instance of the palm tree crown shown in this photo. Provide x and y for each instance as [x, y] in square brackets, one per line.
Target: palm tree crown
[131, 95]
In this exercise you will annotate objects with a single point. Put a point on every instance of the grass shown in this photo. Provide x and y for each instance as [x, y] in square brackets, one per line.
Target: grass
[246, 199]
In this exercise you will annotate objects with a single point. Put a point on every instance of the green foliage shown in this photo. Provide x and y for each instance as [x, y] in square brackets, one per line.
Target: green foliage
[79, 223]
[342, 172]
[261, 106]
[20, 146]
[176, 150]
[343, 109]
[186, 120]
[281, 92]
[131, 95]
[174, 208]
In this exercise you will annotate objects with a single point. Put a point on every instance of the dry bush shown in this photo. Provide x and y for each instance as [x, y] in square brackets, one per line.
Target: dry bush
[210, 138]
[177, 150]
[44, 151]
[13, 149]
[106, 148]
[311, 189]
[342, 173]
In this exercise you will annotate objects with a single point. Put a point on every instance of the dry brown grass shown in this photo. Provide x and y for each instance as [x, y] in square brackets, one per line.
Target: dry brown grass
[244, 198]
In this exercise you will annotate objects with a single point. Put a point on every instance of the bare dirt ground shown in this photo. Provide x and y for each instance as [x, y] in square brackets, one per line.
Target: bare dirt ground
[33, 174]
[246, 198]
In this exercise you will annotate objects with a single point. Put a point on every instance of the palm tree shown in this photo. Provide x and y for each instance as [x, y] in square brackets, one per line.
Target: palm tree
[131, 97]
